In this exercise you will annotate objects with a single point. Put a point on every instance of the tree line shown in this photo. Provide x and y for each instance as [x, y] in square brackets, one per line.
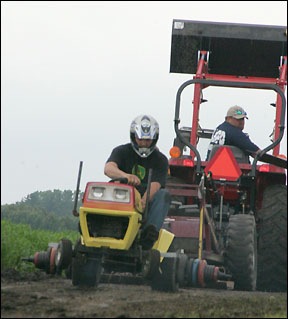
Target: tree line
[47, 210]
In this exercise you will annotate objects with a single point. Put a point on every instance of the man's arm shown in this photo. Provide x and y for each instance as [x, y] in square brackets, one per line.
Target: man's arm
[111, 170]
[242, 140]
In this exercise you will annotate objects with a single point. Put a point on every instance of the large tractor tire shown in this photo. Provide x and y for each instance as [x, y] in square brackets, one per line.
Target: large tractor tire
[241, 251]
[272, 240]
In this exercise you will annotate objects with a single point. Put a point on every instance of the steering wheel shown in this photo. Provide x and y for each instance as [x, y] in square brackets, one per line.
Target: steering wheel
[122, 180]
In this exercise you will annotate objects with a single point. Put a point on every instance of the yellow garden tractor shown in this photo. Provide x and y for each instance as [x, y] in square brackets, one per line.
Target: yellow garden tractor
[112, 242]
[111, 220]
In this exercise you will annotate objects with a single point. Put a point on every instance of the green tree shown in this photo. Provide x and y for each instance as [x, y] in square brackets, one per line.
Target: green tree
[57, 201]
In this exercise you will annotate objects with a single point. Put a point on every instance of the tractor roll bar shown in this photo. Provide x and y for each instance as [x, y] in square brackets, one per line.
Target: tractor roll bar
[236, 84]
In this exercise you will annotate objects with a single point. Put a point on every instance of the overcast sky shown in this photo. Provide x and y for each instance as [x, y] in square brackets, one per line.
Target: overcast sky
[74, 74]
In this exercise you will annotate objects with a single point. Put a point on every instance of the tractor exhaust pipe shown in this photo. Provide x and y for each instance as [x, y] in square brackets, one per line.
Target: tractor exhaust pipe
[75, 213]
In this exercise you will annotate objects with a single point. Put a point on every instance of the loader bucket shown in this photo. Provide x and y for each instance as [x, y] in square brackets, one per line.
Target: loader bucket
[234, 49]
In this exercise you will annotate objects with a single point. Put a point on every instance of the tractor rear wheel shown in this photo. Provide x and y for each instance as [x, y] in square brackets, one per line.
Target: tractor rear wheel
[241, 251]
[272, 240]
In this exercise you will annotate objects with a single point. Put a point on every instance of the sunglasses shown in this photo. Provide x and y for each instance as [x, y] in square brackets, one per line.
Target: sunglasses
[239, 112]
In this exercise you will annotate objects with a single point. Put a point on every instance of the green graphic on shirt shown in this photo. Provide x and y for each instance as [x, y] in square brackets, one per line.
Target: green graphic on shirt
[139, 171]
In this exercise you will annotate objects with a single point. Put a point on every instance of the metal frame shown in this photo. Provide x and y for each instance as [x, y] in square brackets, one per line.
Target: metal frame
[203, 80]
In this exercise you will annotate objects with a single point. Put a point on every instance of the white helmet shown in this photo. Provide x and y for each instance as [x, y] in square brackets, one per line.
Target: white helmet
[144, 127]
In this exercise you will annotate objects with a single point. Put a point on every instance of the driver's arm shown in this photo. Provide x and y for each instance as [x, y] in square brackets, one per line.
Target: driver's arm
[111, 170]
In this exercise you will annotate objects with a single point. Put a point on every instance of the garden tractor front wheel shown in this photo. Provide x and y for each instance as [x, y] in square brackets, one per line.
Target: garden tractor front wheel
[86, 271]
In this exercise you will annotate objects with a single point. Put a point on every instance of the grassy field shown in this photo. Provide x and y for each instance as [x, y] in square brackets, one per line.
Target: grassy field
[18, 240]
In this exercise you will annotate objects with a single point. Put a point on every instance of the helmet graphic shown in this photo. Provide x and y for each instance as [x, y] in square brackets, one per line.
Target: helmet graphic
[144, 127]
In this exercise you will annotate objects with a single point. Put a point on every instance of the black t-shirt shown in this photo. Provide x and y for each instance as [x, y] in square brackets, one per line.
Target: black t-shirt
[227, 134]
[130, 162]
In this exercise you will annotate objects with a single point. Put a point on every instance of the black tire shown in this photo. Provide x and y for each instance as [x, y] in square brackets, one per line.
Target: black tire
[272, 240]
[241, 251]
[151, 263]
[166, 280]
[63, 255]
[182, 264]
[68, 272]
[86, 272]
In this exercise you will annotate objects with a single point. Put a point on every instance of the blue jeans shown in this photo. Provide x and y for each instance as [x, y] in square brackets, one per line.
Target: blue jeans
[158, 208]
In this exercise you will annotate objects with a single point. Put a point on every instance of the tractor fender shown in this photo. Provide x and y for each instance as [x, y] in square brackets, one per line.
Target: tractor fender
[164, 241]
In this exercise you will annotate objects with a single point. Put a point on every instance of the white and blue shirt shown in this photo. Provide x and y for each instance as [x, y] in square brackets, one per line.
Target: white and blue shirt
[227, 134]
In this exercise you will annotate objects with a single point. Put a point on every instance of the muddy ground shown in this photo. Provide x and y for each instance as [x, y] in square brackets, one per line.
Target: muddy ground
[39, 295]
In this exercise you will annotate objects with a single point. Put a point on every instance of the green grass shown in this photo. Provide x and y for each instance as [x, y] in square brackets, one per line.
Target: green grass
[18, 240]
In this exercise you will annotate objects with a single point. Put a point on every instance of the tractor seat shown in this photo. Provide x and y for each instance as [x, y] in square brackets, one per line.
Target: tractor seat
[239, 155]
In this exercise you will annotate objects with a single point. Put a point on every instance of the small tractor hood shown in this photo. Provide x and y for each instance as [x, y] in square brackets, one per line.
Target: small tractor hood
[235, 49]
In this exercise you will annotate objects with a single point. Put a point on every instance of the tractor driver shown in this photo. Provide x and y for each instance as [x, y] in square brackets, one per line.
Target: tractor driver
[230, 133]
[133, 161]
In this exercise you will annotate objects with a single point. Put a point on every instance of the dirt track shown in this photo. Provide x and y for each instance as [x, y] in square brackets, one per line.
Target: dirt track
[40, 295]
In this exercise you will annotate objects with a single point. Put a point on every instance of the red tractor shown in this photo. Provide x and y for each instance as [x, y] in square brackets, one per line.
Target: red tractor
[225, 211]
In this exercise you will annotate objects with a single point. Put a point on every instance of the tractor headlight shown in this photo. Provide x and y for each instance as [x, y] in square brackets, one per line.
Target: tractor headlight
[98, 192]
[109, 193]
[122, 195]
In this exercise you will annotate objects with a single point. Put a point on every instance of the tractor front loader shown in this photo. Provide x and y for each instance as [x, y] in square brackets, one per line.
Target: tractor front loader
[225, 211]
